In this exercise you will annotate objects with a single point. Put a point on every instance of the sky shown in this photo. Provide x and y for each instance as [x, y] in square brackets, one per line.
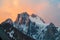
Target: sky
[49, 10]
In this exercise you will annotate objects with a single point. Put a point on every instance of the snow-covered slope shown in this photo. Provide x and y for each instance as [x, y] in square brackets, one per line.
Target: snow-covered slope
[38, 21]
[40, 24]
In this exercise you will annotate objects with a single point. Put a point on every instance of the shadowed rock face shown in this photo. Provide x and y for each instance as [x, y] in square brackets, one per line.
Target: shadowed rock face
[0, 38]
[3, 35]
[6, 33]
[22, 18]
[51, 32]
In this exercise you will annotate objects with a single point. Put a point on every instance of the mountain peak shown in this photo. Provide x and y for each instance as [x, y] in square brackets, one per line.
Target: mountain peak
[22, 18]
[33, 15]
[8, 21]
[24, 14]
[36, 18]
[52, 24]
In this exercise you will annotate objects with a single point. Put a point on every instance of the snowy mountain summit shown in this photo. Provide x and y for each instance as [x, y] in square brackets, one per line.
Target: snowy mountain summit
[35, 27]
